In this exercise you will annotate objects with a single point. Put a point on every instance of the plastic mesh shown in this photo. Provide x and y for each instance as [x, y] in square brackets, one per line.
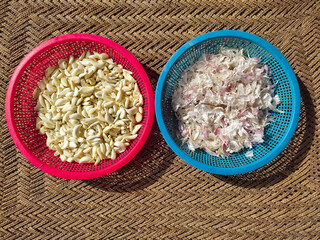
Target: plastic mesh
[273, 132]
[25, 116]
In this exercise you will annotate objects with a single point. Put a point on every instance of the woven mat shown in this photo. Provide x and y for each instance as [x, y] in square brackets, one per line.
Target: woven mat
[157, 195]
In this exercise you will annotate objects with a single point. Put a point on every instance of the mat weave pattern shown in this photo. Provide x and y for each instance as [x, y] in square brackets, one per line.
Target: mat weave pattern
[157, 195]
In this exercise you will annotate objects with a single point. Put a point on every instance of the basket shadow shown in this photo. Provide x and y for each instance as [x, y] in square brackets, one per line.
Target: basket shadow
[145, 168]
[290, 158]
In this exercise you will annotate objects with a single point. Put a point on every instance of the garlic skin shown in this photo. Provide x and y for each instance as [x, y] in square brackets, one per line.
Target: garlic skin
[223, 102]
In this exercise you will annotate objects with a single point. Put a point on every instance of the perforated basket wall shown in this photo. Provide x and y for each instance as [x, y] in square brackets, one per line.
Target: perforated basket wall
[276, 135]
[22, 117]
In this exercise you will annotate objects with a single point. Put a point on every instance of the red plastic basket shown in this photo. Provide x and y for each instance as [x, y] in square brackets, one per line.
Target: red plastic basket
[21, 117]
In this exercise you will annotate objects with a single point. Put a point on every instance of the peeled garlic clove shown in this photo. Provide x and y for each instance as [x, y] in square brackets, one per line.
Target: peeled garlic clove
[127, 102]
[138, 117]
[86, 90]
[132, 137]
[126, 89]
[66, 117]
[136, 129]
[78, 153]
[87, 150]
[132, 110]
[101, 118]
[68, 108]
[128, 76]
[100, 154]
[94, 152]
[76, 131]
[109, 104]
[85, 159]
[74, 121]
[75, 116]
[56, 117]
[65, 145]
[119, 96]
[113, 154]
[72, 145]
[108, 118]
[89, 120]
[76, 72]
[119, 123]
[108, 149]
[140, 100]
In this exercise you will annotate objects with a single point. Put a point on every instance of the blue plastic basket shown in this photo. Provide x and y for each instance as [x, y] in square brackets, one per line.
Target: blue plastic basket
[277, 134]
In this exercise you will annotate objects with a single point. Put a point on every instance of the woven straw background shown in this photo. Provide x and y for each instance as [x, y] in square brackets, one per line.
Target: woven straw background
[157, 195]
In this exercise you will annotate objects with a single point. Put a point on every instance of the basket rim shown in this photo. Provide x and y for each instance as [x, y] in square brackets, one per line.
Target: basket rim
[33, 54]
[295, 99]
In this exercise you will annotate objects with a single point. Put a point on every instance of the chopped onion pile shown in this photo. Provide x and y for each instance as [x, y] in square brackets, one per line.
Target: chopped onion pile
[223, 103]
